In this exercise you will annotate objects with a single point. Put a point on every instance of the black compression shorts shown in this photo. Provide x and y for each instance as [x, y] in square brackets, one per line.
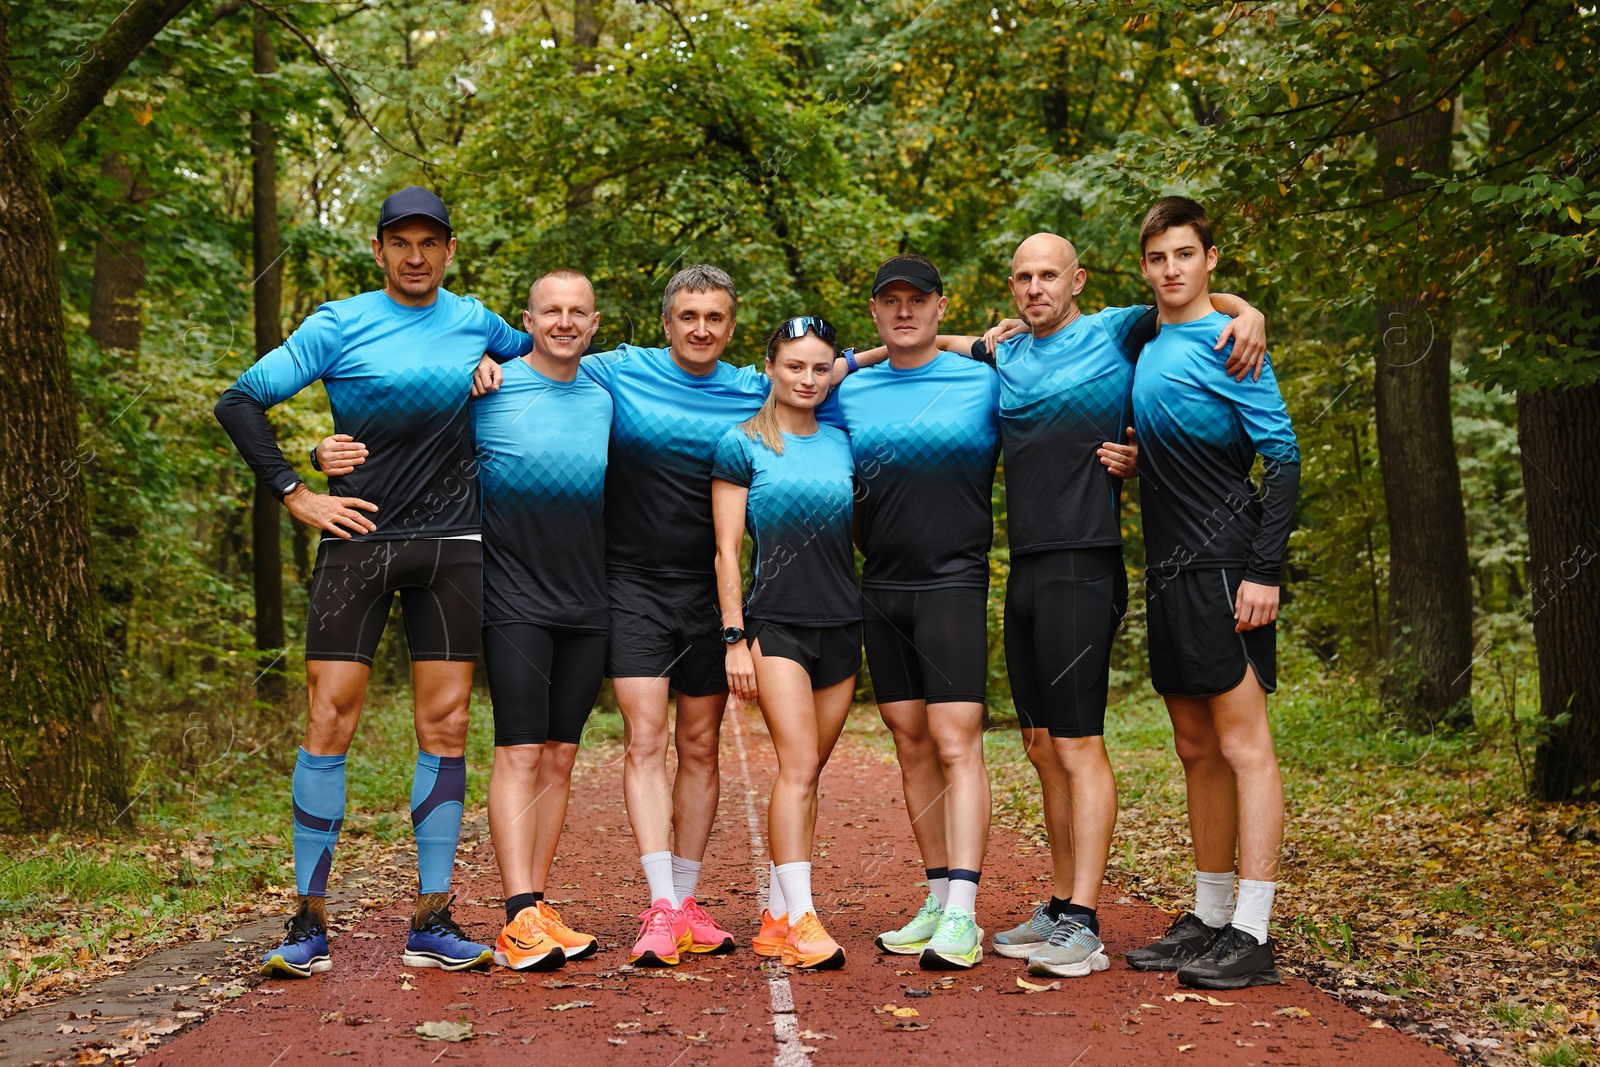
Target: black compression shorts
[667, 628]
[440, 582]
[830, 654]
[1063, 608]
[927, 644]
[1194, 651]
[543, 680]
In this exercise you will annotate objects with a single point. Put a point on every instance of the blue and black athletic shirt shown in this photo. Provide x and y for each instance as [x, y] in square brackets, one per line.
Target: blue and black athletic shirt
[798, 515]
[1199, 434]
[1061, 398]
[925, 442]
[542, 461]
[664, 433]
[398, 379]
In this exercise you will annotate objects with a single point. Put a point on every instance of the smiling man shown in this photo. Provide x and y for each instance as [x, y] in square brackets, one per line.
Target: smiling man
[925, 439]
[397, 364]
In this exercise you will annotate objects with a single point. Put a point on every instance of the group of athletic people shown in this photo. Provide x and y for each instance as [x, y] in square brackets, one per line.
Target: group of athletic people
[579, 515]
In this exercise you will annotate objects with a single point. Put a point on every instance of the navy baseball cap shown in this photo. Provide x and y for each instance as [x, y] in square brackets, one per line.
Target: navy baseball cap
[921, 275]
[414, 202]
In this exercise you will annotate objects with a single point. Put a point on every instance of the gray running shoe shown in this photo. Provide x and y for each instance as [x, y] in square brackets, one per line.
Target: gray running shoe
[1019, 942]
[1072, 951]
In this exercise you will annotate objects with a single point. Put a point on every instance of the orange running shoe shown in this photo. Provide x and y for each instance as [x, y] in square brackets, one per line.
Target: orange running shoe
[809, 947]
[576, 946]
[705, 935]
[663, 934]
[525, 946]
[774, 932]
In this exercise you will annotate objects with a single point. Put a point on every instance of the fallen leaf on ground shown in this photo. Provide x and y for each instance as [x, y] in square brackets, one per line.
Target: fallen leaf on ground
[444, 1030]
[617, 1040]
[1185, 1048]
[1293, 1013]
[1035, 987]
[570, 1005]
[903, 1024]
[812, 1035]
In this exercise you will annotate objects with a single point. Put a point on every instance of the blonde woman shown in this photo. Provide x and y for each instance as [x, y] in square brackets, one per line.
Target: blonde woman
[794, 643]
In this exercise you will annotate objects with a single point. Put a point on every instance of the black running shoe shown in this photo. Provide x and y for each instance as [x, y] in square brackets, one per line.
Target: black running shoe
[1185, 940]
[1234, 960]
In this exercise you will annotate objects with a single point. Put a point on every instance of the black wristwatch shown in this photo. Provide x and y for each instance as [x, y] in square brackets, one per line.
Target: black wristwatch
[316, 465]
[732, 635]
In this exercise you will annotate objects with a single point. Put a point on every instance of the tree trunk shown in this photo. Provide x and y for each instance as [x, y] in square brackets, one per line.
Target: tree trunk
[1428, 676]
[266, 555]
[59, 760]
[115, 317]
[1558, 431]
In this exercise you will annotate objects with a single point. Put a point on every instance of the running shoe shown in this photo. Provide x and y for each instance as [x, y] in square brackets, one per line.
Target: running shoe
[1233, 960]
[774, 932]
[809, 947]
[1185, 940]
[956, 945]
[663, 935]
[705, 936]
[436, 941]
[1072, 951]
[576, 946]
[526, 945]
[1020, 942]
[913, 937]
[304, 951]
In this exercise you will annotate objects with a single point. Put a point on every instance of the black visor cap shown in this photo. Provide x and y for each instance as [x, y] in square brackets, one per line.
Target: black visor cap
[413, 202]
[921, 275]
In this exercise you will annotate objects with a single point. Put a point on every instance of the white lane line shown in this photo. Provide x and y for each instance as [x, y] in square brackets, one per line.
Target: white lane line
[785, 1027]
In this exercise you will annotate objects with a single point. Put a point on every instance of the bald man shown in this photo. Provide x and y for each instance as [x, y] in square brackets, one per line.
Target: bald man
[1065, 379]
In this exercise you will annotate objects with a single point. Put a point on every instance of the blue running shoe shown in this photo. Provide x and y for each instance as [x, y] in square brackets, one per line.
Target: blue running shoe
[304, 951]
[438, 942]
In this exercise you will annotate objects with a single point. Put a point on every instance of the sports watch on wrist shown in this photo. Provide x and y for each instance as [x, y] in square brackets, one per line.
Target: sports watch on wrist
[732, 635]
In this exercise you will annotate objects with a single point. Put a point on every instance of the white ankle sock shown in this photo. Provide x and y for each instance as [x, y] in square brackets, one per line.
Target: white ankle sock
[963, 895]
[685, 876]
[940, 888]
[1254, 911]
[775, 898]
[658, 872]
[795, 878]
[1213, 898]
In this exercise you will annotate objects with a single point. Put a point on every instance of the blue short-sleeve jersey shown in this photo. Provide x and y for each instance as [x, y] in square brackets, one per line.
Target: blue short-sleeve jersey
[798, 515]
[664, 432]
[542, 449]
[1061, 398]
[1199, 434]
[398, 380]
[925, 441]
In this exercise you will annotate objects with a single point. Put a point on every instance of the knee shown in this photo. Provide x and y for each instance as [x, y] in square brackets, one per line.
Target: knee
[960, 751]
[799, 768]
[518, 759]
[1248, 755]
[1042, 753]
[697, 747]
[559, 756]
[1198, 751]
[646, 744]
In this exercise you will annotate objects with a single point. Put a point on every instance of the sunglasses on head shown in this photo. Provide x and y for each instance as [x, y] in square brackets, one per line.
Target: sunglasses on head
[800, 326]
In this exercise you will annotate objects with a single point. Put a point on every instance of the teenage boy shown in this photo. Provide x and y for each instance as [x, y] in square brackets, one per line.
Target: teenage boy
[1214, 548]
[397, 363]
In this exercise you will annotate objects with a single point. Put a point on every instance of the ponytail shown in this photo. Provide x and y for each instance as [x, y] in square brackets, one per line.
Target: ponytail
[763, 425]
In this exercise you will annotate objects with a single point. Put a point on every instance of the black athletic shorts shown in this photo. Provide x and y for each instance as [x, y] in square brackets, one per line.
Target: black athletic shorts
[440, 582]
[542, 679]
[830, 654]
[1063, 608]
[927, 644]
[667, 628]
[1194, 651]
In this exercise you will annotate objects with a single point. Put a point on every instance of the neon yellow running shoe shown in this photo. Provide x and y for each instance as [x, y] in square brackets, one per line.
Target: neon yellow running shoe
[913, 937]
[956, 945]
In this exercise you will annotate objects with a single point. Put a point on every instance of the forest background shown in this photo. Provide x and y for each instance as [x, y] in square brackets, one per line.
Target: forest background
[1408, 190]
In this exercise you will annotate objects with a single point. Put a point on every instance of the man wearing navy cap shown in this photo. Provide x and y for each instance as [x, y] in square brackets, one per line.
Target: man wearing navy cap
[925, 435]
[397, 364]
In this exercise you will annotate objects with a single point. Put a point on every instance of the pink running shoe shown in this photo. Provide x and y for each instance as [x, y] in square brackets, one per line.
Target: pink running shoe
[663, 934]
[705, 935]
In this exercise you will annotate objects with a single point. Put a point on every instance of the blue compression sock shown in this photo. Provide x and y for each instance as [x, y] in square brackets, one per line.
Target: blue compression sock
[317, 794]
[438, 796]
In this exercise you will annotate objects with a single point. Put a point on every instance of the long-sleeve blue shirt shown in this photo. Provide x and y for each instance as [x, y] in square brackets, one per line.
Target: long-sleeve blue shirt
[398, 379]
[1199, 434]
